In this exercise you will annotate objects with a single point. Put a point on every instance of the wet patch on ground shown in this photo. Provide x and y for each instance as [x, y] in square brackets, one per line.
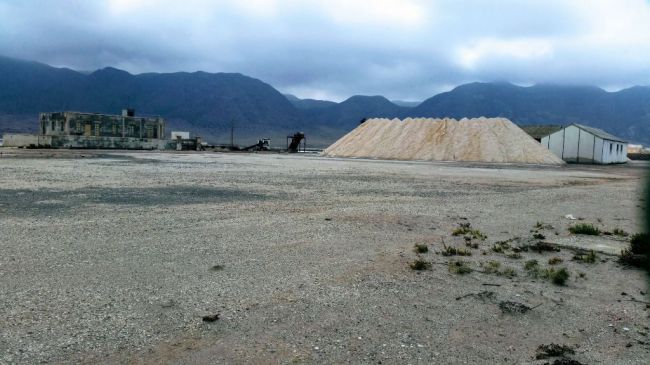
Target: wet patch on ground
[52, 202]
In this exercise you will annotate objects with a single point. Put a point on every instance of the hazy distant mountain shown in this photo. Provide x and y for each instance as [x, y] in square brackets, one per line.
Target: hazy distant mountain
[347, 114]
[208, 104]
[409, 104]
[308, 103]
[625, 113]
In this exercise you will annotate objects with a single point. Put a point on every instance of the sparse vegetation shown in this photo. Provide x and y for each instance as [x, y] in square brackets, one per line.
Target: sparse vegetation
[531, 265]
[421, 248]
[639, 251]
[459, 267]
[558, 277]
[469, 243]
[584, 228]
[640, 243]
[539, 236]
[465, 229]
[513, 255]
[620, 232]
[544, 247]
[494, 267]
[553, 350]
[491, 266]
[542, 225]
[501, 246]
[513, 307]
[453, 251]
[420, 265]
[555, 260]
[588, 257]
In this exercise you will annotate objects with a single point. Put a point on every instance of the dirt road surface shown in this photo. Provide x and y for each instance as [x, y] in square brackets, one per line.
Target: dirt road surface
[114, 257]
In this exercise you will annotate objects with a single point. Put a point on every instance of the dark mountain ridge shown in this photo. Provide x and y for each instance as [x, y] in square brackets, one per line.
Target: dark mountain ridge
[209, 104]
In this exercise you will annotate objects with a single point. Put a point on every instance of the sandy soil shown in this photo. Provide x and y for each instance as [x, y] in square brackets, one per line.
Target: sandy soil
[116, 257]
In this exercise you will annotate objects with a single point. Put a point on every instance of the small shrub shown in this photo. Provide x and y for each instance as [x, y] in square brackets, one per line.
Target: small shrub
[508, 272]
[491, 267]
[542, 225]
[582, 275]
[461, 229]
[469, 243]
[420, 265]
[514, 255]
[558, 277]
[640, 243]
[620, 232]
[584, 228]
[466, 230]
[585, 257]
[501, 246]
[453, 251]
[542, 246]
[539, 236]
[627, 257]
[555, 260]
[459, 267]
[494, 267]
[421, 248]
[553, 350]
[531, 265]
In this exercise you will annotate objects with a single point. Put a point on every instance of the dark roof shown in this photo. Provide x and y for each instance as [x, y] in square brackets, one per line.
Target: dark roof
[539, 131]
[599, 133]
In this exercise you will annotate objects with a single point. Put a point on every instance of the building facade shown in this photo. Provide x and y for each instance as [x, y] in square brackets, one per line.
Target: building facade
[79, 124]
[577, 143]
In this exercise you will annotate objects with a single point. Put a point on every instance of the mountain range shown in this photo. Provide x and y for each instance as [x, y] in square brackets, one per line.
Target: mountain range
[210, 104]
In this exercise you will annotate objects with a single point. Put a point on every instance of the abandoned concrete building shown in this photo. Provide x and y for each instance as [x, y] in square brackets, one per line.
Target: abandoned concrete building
[102, 131]
[126, 125]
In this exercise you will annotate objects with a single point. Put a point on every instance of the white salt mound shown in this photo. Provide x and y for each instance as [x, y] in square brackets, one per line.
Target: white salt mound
[477, 139]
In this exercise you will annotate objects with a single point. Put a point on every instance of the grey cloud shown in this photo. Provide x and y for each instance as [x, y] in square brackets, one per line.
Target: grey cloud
[301, 48]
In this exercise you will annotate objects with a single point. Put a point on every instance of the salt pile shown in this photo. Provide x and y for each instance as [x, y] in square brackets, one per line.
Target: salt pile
[477, 139]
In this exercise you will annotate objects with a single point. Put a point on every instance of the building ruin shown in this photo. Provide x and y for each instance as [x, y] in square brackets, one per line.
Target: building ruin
[100, 131]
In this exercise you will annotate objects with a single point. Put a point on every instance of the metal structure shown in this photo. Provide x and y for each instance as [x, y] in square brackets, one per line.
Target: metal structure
[295, 142]
[263, 144]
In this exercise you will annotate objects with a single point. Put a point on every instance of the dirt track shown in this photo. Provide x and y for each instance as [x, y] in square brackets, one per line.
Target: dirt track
[116, 257]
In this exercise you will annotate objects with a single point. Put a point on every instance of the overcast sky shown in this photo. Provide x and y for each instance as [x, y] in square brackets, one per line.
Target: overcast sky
[332, 49]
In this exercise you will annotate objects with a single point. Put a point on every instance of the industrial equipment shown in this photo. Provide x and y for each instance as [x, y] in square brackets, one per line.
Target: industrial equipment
[297, 140]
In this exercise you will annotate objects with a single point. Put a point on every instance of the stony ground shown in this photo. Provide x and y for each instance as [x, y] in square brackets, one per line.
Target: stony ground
[115, 258]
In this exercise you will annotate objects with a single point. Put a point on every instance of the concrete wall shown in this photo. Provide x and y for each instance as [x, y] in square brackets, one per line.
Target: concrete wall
[26, 140]
[100, 125]
[36, 141]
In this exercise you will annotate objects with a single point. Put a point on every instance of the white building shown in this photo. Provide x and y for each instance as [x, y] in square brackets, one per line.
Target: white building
[181, 135]
[581, 144]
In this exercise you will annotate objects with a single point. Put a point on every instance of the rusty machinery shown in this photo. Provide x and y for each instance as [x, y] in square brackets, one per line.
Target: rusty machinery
[295, 142]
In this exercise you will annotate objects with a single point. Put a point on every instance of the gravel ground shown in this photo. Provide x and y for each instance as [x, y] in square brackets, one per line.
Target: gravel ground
[116, 257]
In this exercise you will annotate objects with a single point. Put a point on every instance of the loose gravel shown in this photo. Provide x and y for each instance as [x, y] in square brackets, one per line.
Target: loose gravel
[119, 257]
